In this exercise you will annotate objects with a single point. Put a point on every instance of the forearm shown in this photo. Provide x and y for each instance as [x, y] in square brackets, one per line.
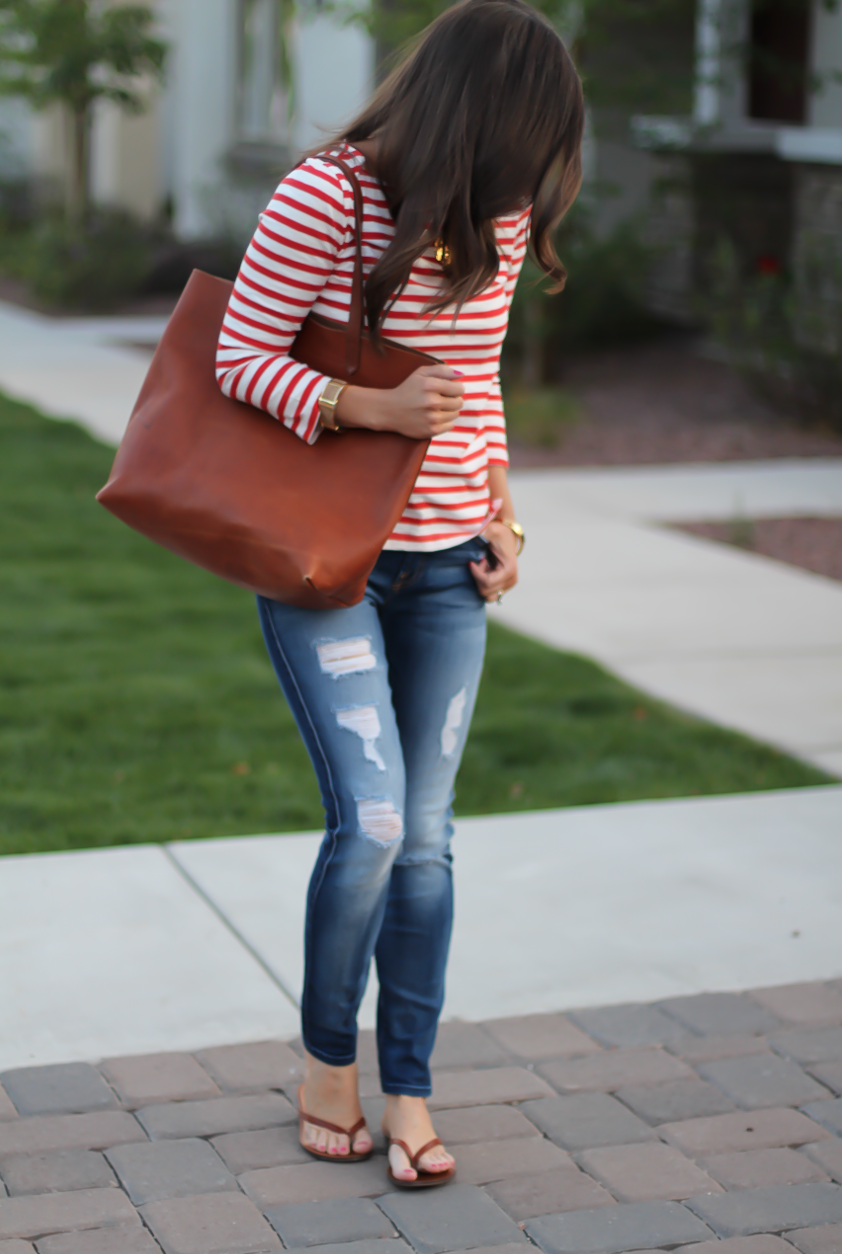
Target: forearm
[498, 490]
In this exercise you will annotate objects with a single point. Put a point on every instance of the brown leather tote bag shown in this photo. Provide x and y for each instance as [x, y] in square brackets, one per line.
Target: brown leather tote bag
[232, 489]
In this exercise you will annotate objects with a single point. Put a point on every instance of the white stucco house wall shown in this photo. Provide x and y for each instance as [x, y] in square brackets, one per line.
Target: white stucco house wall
[224, 128]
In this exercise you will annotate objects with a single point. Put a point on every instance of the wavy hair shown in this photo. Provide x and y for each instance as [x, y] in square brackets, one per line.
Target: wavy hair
[483, 118]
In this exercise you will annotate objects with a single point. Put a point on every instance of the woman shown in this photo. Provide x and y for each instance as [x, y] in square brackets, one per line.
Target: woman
[470, 145]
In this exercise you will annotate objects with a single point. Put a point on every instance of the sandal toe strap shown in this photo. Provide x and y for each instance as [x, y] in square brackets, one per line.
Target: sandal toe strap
[323, 1123]
[419, 1154]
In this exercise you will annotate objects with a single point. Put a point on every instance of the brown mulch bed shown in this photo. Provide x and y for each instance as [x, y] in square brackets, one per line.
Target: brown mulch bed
[665, 402]
[813, 543]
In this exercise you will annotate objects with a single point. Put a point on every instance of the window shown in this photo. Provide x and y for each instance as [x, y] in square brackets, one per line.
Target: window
[262, 96]
[778, 66]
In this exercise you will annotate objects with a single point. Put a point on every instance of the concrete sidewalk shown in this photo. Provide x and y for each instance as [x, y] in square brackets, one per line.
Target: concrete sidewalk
[87, 370]
[747, 642]
[135, 950]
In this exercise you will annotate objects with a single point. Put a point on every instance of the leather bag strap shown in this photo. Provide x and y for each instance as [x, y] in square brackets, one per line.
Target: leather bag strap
[353, 340]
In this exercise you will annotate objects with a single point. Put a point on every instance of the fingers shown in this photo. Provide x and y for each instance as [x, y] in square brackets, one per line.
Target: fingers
[491, 582]
[443, 379]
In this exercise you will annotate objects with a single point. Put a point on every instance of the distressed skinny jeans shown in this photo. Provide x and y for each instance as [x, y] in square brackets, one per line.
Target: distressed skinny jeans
[383, 695]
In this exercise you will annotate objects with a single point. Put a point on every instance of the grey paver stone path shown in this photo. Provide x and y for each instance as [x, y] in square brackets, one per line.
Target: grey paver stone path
[718, 1014]
[824, 1240]
[460, 1126]
[769, 1210]
[466, 1045]
[162, 1169]
[64, 1089]
[805, 1046]
[586, 1120]
[630, 1025]
[253, 1068]
[216, 1223]
[763, 1080]
[828, 1114]
[547, 1193]
[808, 1002]
[636, 1226]
[759, 1169]
[251, 1151]
[16, 1247]
[383, 1245]
[57, 1132]
[58, 1172]
[612, 1069]
[696, 1049]
[484, 1161]
[37, 1216]
[678, 1099]
[541, 1036]
[829, 1074]
[828, 1156]
[315, 1182]
[219, 1114]
[763, 1243]
[497, 1249]
[118, 1240]
[661, 1110]
[459, 1216]
[323, 1223]
[496, 1084]
[643, 1173]
[759, 1129]
[150, 1078]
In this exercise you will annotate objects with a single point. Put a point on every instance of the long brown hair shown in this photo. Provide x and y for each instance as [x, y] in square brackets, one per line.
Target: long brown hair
[483, 117]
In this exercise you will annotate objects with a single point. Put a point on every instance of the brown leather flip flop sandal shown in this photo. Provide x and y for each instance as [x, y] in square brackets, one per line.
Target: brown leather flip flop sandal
[350, 1157]
[424, 1179]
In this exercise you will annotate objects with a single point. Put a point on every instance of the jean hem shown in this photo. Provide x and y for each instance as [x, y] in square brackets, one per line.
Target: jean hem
[406, 1090]
[320, 1054]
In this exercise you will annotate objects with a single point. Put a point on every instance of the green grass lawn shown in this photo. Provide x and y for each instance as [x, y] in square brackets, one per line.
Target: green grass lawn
[137, 703]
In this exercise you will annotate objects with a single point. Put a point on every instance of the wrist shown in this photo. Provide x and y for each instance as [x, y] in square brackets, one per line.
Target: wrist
[361, 407]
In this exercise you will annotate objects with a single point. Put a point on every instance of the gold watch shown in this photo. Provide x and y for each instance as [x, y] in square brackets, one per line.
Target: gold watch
[327, 405]
[517, 531]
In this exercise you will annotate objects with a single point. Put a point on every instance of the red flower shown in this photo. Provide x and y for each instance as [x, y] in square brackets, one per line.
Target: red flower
[768, 264]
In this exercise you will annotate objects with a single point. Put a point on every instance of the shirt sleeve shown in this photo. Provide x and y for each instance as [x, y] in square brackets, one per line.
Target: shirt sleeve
[493, 415]
[295, 249]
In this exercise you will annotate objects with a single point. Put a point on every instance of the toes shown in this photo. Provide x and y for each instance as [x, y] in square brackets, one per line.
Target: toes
[436, 1162]
[400, 1164]
[337, 1145]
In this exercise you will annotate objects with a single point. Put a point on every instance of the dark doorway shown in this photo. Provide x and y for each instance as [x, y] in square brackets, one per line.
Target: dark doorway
[778, 60]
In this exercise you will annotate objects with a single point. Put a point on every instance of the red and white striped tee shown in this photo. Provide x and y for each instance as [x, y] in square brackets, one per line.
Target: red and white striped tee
[301, 258]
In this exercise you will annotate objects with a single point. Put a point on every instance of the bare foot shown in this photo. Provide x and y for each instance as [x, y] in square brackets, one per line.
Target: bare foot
[407, 1119]
[331, 1093]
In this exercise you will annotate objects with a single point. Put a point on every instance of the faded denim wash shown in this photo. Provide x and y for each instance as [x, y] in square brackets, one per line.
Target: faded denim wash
[383, 695]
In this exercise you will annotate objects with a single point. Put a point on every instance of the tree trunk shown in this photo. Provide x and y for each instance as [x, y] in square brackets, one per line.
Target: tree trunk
[532, 362]
[78, 175]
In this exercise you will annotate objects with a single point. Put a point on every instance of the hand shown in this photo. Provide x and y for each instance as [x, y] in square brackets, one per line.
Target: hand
[491, 581]
[424, 405]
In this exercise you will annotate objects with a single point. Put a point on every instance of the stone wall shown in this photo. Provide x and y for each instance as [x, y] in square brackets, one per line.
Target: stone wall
[817, 256]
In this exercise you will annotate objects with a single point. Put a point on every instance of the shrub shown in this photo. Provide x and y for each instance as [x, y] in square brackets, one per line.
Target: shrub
[88, 266]
[602, 304]
[783, 331]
